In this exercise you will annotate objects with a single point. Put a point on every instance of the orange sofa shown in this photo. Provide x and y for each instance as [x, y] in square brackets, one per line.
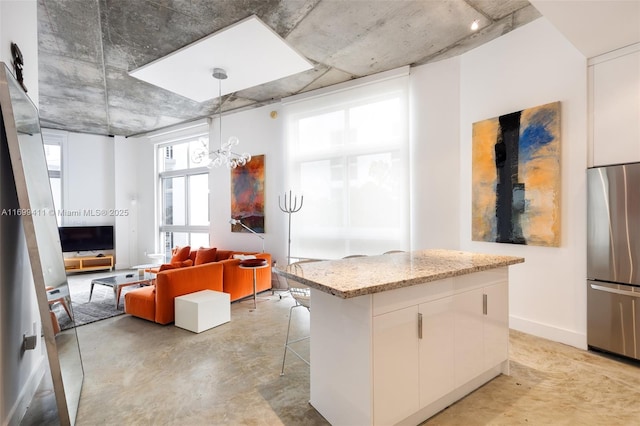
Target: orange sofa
[156, 302]
[238, 282]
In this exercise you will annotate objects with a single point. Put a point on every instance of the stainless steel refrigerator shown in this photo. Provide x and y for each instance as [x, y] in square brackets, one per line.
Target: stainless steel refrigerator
[613, 259]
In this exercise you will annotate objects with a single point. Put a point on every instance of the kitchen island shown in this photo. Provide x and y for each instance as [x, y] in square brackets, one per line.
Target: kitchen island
[396, 338]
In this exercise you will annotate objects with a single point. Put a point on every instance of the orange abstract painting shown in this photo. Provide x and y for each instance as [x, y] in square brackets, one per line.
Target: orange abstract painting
[516, 177]
[247, 195]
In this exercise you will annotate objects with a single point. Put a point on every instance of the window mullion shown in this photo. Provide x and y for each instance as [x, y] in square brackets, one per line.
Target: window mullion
[187, 195]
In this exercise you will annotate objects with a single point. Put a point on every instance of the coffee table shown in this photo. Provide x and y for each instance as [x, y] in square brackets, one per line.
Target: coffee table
[117, 282]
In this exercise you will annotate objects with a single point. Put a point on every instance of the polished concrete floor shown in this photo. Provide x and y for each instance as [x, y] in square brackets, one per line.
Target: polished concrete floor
[140, 373]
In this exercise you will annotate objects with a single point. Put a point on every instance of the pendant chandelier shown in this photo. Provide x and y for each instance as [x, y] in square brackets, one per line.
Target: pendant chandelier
[223, 155]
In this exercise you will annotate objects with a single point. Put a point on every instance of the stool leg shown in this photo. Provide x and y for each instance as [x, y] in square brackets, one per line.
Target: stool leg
[286, 343]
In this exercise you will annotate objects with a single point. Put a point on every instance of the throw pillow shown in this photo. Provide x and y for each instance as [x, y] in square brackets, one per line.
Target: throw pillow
[180, 254]
[205, 255]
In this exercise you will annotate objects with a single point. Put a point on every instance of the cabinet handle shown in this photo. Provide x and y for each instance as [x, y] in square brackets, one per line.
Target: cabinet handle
[484, 304]
[419, 326]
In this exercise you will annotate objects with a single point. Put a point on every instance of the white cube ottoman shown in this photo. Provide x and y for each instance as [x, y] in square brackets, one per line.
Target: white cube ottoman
[202, 310]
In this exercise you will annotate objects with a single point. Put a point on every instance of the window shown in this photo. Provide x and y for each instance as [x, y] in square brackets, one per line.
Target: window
[184, 195]
[53, 155]
[348, 156]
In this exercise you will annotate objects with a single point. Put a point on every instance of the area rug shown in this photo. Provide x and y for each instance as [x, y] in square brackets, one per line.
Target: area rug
[101, 306]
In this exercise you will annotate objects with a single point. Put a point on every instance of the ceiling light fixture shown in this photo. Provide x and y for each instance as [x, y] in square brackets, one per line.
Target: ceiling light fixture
[475, 25]
[224, 154]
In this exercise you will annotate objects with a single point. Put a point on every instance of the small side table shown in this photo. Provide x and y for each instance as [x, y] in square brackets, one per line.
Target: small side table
[254, 280]
[202, 310]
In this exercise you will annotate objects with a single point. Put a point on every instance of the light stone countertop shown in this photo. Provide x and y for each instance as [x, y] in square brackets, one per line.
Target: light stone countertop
[360, 276]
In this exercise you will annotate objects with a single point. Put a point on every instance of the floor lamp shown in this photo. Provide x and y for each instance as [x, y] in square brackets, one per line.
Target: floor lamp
[239, 222]
[290, 207]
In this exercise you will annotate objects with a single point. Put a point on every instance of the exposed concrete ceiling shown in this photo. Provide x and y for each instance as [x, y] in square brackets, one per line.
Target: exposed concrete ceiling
[86, 49]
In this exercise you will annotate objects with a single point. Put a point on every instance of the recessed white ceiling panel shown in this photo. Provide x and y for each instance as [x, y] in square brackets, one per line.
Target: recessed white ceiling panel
[594, 27]
[250, 52]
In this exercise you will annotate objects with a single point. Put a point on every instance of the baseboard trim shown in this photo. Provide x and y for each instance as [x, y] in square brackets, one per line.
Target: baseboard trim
[17, 412]
[546, 331]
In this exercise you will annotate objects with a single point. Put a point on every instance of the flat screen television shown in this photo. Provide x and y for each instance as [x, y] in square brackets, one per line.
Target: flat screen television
[86, 238]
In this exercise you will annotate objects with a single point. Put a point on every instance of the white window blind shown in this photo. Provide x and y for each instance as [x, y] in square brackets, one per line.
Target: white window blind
[348, 155]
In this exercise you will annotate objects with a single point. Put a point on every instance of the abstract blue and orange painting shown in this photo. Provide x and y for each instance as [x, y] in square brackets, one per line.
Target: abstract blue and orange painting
[516, 177]
[247, 195]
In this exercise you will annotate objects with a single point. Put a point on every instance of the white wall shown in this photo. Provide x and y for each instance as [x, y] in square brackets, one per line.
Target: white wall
[19, 24]
[88, 179]
[434, 134]
[126, 198]
[20, 372]
[531, 66]
[116, 175]
[147, 226]
[258, 134]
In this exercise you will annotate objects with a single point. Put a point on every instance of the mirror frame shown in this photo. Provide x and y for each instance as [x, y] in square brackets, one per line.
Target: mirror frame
[31, 177]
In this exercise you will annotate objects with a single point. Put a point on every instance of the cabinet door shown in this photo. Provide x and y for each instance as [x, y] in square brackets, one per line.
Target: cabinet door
[616, 107]
[395, 365]
[468, 334]
[496, 325]
[436, 350]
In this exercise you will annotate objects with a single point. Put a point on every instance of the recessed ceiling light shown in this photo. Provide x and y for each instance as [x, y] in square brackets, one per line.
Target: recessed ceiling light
[475, 25]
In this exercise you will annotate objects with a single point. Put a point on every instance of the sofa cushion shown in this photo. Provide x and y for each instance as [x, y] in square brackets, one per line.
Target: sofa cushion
[178, 282]
[205, 255]
[223, 255]
[192, 255]
[180, 254]
[175, 265]
[141, 302]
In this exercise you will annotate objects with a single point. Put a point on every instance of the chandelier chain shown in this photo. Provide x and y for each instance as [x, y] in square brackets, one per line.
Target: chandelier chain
[224, 154]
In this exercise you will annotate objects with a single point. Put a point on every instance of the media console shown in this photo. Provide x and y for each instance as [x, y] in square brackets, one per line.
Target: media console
[88, 263]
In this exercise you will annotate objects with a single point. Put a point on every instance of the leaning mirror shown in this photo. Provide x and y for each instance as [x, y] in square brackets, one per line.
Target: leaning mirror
[21, 134]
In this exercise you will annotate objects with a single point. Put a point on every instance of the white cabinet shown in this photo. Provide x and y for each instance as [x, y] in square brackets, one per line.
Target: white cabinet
[496, 324]
[395, 365]
[423, 352]
[436, 350]
[469, 339]
[412, 359]
[371, 367]
[615, 106]
[481, 329]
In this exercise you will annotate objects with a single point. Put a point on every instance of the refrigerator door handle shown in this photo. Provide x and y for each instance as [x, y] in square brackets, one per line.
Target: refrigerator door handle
[614, 290]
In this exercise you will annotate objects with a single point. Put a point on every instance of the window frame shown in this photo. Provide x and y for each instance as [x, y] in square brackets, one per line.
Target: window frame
[163, 228]
[53, 138]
